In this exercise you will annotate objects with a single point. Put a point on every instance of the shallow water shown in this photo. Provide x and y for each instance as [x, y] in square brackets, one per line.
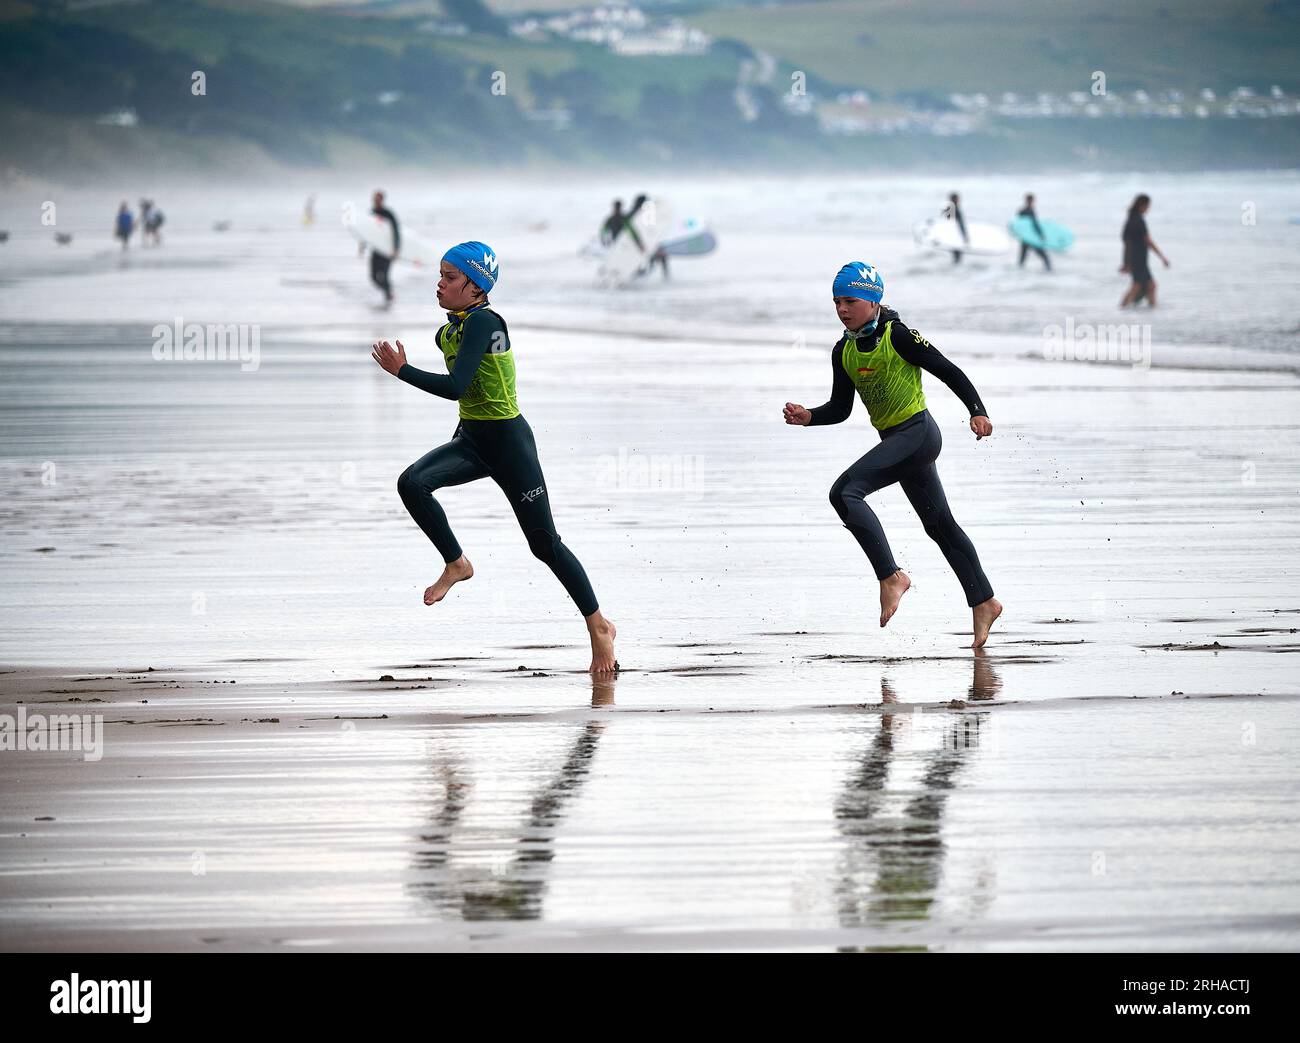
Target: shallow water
[1229, 236]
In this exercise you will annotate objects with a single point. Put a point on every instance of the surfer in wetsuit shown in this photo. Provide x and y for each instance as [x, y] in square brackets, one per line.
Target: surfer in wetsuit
[618, 221]
[953, 211]
[379, 262]
[882, 359]
[492, 440]
[613, 224]
[1028, 211]
[1137, 241]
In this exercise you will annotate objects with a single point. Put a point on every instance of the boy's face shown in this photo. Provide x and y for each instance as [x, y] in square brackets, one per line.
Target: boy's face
[455, 291]
[854, 312]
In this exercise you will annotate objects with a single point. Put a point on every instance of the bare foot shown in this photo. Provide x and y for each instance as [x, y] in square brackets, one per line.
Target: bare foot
[602, 633]
[451, 575]
[891, 593]
[982, 617]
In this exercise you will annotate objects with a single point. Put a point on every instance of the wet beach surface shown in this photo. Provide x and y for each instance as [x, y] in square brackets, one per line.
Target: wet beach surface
[299, 754]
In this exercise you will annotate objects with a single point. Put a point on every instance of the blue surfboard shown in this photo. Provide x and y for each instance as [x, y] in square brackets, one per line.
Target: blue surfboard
[1055, 236]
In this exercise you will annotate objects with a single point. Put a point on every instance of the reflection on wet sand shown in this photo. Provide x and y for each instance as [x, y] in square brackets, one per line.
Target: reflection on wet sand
[985, 683]
[892, 862]
[514, 887]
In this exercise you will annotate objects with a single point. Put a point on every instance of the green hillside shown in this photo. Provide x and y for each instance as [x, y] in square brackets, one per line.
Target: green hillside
[1025, 45]
[91, 88]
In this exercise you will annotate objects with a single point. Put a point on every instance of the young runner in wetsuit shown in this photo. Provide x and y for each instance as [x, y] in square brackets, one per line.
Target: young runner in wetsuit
[492, 440]
[882, 359]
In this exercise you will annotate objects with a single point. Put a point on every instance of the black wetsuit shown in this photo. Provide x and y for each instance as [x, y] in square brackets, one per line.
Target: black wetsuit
[503, 450]
[1136, 254]
[961, 227]
[618, 221]
[1038, 230]
[906, 455]
[379, 262]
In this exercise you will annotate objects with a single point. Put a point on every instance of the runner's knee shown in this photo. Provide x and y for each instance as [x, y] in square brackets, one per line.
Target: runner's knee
[938, 525]
[845, 491]
[413, 483]
[542, 543]
[837, 494]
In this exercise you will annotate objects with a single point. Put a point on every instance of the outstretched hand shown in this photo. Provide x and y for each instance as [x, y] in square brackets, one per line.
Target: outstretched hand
[383, 353]
[795, 414]
[981, 426]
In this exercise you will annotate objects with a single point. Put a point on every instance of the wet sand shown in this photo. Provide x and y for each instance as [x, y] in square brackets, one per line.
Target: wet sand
[451, 808]
[771, 770]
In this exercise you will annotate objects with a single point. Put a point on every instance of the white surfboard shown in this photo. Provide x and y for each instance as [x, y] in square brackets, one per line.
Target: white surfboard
[624, 262]
[942, 233]
[377, 234]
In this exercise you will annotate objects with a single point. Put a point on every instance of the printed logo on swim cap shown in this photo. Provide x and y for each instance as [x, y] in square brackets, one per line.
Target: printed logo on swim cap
[488, 266]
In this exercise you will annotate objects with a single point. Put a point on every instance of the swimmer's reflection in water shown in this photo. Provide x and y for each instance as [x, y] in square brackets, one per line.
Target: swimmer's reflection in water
[892, 859]
[457, 880]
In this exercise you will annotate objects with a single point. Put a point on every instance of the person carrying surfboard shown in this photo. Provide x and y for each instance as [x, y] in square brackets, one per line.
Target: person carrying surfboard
[618, 221]
[1028, 211]
[380, 262]
[953, 212]
[492, 440]
[1137, 241]
[882, 359]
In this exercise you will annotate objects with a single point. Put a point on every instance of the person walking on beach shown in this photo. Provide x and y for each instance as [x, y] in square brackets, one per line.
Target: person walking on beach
[1137, 241]
[1028, 211]
[380, 262]
[125, 223]
[881, 358]
[492, 440]
[953, 211]
[151, 225]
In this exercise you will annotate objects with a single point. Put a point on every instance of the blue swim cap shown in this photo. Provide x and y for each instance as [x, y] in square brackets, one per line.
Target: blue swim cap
[859, 279]
[477, 261]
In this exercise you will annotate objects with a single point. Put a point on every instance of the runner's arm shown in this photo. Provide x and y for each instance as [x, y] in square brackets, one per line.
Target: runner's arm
[479, 331]
[920, 352]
